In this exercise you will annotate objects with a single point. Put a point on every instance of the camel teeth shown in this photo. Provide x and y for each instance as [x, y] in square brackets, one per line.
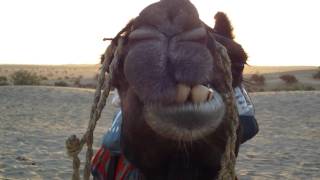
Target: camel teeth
[210, 95]
[199, 93]
[183, 92]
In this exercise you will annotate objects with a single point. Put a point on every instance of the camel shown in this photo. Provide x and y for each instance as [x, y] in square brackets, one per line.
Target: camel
[173, 116]
[172, 91]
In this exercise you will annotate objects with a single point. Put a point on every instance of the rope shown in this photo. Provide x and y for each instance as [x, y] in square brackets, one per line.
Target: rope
[74, 145]
[228, 160]
[73, 149]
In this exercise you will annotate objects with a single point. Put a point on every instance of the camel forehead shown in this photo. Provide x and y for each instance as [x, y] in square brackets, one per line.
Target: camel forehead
[170, 17]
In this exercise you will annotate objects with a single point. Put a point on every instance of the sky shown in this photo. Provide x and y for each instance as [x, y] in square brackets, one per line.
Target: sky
[273, 32]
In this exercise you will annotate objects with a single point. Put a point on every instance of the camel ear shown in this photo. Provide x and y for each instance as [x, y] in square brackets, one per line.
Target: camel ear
[223, 25]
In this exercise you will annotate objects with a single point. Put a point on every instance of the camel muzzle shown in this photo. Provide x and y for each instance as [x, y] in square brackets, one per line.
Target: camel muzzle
[190, 119]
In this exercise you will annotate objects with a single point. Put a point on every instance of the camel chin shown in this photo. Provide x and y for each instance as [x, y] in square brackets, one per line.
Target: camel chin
[198, 112]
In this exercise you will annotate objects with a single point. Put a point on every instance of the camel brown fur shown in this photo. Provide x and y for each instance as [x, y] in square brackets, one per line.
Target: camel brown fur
[168, 48]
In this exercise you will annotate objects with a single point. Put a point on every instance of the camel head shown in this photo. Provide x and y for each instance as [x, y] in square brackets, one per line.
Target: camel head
[169, 86]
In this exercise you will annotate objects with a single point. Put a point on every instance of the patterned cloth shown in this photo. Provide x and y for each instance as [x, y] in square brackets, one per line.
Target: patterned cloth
[102, 167]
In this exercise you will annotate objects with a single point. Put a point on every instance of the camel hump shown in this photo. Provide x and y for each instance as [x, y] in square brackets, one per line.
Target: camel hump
[223, 25]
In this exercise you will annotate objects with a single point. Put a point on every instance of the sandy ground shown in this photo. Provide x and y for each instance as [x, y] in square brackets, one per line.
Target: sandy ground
[288, 144]
[35, 121]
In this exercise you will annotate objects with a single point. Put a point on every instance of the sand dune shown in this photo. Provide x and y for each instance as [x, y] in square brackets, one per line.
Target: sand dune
[35, 122]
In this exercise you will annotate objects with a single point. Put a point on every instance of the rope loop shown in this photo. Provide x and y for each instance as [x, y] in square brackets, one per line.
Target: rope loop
[73, 146]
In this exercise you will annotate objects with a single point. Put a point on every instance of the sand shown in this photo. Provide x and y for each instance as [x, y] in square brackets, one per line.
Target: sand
[35, 121]
[288, 144]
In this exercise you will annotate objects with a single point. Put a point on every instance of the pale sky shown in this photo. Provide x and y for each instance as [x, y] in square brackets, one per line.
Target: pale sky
[273, 32]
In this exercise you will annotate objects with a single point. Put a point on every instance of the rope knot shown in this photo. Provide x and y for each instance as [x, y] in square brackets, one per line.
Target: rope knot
[73, 146]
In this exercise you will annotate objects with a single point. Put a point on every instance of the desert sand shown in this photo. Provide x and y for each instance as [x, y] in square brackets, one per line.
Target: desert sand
[35, 122]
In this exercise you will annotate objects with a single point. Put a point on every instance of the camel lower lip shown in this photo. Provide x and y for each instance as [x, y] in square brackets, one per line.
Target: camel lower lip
[187, 121]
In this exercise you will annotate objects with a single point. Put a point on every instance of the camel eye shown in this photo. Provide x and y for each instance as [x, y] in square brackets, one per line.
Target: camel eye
[144, 34]
[201, 40]
[195, 35]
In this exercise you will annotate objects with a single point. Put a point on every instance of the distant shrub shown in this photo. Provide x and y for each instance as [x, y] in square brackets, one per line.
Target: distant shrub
[3, 81]
[3, 78]
[61, 83]
[90, 86]
[77, 81]
[43, 78]
[296, 87]
[317, 74]
[309, 88]
[289, 79]
[23, 77]
[258, 79]
[66, 77]
[256, 89]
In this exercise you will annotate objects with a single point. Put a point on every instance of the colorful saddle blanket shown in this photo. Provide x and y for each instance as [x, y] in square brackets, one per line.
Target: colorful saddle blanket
[108, 166]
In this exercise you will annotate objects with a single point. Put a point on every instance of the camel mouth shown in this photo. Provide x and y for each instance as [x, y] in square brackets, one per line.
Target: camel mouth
[189, 121]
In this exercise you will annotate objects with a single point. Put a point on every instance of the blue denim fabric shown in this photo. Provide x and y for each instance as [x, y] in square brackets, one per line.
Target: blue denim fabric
[249, 127]
[111, 139]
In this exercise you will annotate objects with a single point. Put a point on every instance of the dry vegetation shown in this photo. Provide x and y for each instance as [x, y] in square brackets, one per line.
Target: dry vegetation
[317, 74]
[288, 78]
[3, 81]
[258, 78]
[300, 78]
[24, 77]
[68, 75]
